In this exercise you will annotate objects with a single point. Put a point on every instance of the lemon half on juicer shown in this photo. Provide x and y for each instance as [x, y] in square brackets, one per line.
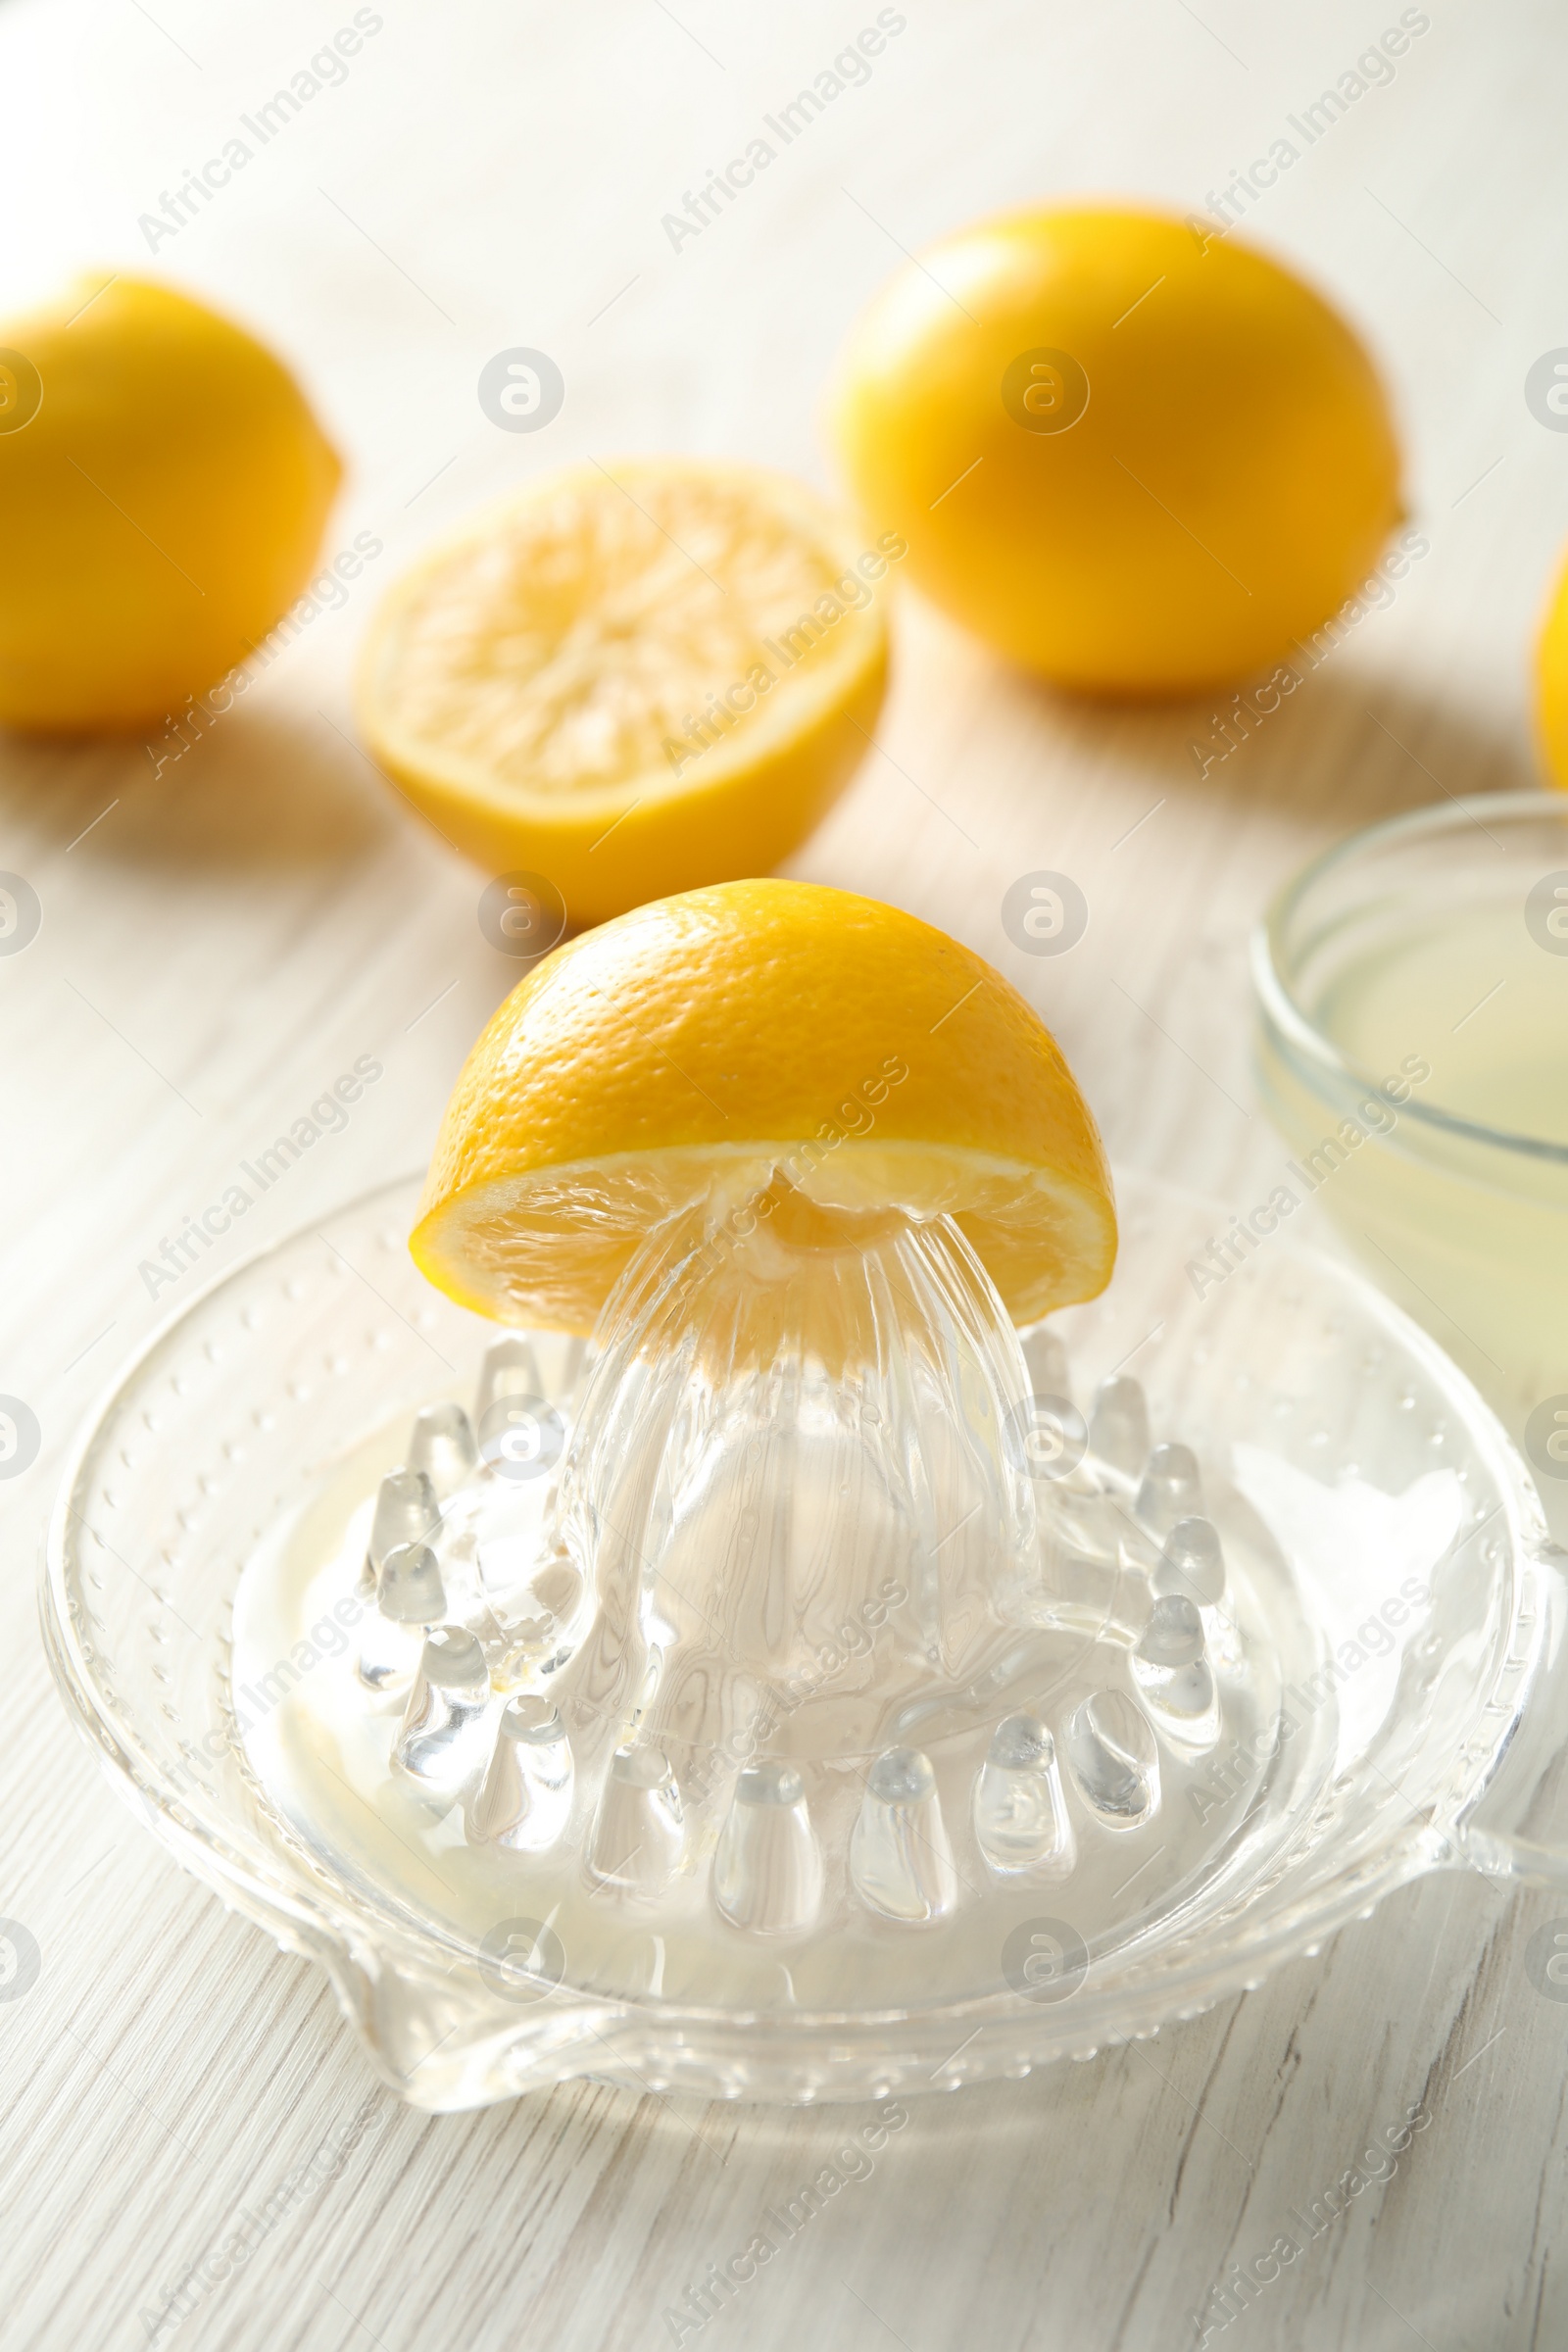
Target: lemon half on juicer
[706, 1048]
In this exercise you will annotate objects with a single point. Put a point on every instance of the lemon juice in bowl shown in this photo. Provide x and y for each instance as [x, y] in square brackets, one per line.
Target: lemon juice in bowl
[1413, 987]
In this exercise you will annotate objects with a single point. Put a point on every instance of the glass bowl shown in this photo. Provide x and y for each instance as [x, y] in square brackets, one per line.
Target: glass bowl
[1381, 1697]
[1413, 993]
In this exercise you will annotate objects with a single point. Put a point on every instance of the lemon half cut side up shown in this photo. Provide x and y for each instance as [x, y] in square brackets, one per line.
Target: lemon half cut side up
[633, 678]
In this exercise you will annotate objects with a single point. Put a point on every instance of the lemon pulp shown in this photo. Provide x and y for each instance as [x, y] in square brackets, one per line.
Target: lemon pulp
[632, 681]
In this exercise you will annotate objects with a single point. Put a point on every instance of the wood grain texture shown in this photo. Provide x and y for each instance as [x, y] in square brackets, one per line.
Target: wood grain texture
[221, 939]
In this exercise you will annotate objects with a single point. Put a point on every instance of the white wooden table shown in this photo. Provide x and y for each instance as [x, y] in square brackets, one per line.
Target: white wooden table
[221, 941]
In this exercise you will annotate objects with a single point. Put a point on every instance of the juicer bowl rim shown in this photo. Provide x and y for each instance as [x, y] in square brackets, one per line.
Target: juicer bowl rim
[307, 1913]
[1295, 1027]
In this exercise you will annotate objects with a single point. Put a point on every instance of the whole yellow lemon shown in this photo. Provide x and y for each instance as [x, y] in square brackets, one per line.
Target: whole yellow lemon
[1138, 459]
[1552, 683]
[163, 492]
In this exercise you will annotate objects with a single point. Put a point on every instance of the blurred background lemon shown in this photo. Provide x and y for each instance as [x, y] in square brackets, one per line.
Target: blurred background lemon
[163, 492]
[1134, 456]
[1551, 681]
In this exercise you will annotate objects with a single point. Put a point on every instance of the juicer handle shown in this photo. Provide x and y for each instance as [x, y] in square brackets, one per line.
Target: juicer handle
[1517, 1825]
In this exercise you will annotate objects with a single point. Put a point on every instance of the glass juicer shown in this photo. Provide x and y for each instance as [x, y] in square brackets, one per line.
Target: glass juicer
[812, 1687]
